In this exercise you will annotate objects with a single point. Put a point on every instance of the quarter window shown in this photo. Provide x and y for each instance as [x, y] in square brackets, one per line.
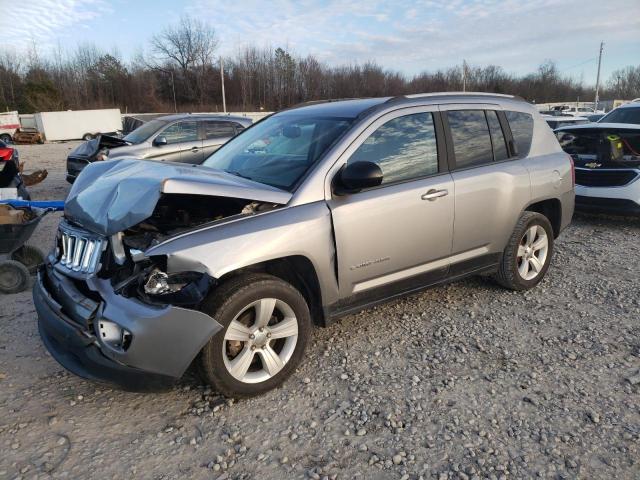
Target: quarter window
[405, 148]
[181, 132]
[218, 130]
[470, 135]
[497, 137]
[522, 130]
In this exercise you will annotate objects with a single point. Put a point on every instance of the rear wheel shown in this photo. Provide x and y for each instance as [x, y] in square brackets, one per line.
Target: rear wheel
[266, 326]
[6, 138]
[14, 277]
[526, 258]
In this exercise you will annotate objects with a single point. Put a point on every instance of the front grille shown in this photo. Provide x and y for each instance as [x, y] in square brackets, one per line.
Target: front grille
[80, 252]
[604, 178]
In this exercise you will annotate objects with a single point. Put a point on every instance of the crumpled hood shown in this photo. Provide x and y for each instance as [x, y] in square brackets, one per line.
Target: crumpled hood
[109, 197]
[89, 148]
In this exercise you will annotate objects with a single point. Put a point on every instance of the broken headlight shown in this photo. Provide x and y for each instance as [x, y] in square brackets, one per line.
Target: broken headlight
[183, 288]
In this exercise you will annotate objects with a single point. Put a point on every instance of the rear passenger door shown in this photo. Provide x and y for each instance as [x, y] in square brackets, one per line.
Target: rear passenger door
[215, 133]
[490, 182]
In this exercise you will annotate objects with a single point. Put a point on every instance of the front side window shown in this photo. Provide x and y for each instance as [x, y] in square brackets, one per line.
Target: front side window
[181, 132]
[497, 136]
[278, 151]
[215, 129]
[404, 148]
[522, 130]
[470, 135]
[144, 131]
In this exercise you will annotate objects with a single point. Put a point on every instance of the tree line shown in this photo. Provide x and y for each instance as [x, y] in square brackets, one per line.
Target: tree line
[181, 71]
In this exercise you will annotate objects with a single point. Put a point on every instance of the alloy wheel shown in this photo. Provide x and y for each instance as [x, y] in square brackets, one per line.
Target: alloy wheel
[532, 252]
[260, 340]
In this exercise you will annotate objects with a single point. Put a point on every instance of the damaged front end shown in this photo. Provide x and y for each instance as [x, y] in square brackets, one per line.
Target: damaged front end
[100, 286]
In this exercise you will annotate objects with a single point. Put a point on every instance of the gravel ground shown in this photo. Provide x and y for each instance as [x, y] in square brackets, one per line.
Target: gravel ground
[462, 381]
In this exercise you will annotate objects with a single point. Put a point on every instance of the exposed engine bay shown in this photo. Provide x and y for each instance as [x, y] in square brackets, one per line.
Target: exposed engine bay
[176, 213]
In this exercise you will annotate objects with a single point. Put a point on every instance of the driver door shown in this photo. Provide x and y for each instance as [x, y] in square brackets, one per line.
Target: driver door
[398, 236]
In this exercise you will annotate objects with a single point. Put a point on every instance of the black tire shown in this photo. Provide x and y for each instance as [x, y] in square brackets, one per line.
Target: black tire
[6, 138]
[508, 275]
[14, 277]
[88, 136]
[30, 256]
[227, 301]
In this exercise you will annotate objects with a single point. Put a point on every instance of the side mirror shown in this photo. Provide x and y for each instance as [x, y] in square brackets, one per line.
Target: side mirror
[159, 141]
[357, 176]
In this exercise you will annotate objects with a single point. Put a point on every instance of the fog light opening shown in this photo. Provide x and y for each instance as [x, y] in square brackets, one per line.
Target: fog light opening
[114, 336]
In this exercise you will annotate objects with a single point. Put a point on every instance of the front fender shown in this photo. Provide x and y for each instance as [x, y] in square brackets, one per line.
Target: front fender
[304, 230]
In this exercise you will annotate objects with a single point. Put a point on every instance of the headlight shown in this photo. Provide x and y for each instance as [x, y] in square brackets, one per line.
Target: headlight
[183, 288]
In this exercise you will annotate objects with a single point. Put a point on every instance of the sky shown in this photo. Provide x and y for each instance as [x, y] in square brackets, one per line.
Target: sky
[408, 36]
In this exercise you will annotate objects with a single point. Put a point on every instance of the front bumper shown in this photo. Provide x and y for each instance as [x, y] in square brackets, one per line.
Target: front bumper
[620, 206]
[164, 340]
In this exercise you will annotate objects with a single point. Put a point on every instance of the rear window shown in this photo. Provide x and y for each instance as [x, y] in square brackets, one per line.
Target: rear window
[470, 135]
[214, 129]
[497, 137]
[522, 130]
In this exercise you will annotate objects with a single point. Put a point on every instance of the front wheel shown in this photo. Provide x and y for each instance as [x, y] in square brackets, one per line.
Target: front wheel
[266, 326]
[527, 256]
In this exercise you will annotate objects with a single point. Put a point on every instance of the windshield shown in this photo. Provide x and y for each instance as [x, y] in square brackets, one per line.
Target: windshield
[622, 115]
[144, 131]
[279, 150]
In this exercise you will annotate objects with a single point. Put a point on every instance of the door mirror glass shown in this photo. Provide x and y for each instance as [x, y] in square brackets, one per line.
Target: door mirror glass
[159, 141]
[357, 176]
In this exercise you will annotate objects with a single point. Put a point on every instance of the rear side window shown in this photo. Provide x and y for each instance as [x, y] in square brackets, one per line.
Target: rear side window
[214, 129]
[497, 136]
[470, 135]
[404, 148]
[522, 130]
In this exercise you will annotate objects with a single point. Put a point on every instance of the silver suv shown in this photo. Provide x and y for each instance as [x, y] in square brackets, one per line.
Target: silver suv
[313, 213]
[185, 138]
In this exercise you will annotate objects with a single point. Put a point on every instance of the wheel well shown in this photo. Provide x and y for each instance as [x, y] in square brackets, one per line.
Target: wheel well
[551, 209]
[299, 272]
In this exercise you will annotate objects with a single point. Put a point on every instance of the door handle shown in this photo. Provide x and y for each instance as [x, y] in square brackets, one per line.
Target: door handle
[194, 149]
[432, 194]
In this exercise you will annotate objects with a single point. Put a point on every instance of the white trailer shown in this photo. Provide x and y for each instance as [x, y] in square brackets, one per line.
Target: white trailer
[78, 124]
[9, 123]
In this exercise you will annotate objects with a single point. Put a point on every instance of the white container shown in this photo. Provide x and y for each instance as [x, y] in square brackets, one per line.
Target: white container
[76, 124]
[9, 193]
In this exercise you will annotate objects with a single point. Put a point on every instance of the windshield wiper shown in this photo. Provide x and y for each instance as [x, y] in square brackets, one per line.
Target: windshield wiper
[238, 174]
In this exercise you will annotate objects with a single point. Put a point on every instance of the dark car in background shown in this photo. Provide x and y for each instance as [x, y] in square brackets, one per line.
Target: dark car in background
[185, 138]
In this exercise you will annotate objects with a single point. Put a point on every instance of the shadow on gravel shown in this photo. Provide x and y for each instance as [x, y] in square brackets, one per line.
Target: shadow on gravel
[614, 221]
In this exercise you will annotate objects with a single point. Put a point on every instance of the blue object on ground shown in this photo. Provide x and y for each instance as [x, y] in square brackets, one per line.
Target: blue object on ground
[57, 205]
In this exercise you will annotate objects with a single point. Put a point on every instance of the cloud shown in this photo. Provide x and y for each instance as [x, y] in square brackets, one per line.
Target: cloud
[43, 22]
[414, 35]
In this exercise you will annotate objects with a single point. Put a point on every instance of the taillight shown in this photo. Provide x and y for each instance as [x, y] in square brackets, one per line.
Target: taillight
[6, 153]
[573, 171]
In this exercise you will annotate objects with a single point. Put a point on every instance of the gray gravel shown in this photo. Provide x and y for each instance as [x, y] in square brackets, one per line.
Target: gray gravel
[462, 381]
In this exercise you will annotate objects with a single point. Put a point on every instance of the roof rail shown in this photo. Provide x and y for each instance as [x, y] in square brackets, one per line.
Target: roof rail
[471, 94]
[635, 100]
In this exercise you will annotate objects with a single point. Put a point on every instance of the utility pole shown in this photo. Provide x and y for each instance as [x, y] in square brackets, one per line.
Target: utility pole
[173, 88]
[224, 100]
[595, 103]
[464, 75]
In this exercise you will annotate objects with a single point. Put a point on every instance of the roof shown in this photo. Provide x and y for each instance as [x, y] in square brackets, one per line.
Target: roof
[354, 107]
[206, 116]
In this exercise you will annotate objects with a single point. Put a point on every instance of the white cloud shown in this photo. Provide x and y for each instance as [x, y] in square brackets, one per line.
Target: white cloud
[46, 21]
[414, 35]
